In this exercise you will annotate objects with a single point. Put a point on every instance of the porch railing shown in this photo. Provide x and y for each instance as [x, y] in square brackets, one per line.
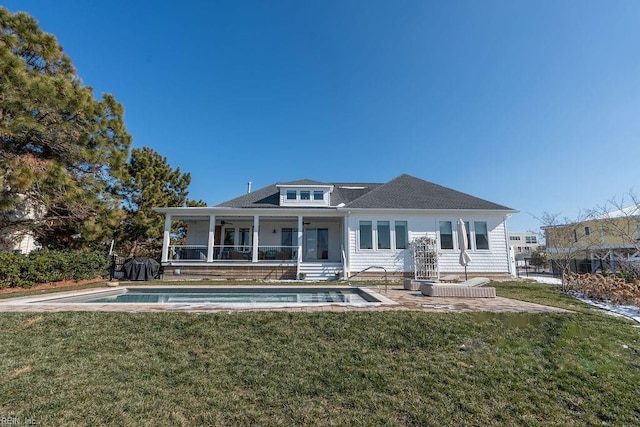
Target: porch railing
[232, 253]
[273, 253]
[188, 252]
[265, 253]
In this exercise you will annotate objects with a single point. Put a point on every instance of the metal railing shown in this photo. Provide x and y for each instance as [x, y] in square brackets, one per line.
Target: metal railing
[277, 253]
[187, 252]
[233, 253]
[386, 282]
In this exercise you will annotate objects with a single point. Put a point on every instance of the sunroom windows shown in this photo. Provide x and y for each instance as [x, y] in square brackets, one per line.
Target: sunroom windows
[383, 235]
[477, 238]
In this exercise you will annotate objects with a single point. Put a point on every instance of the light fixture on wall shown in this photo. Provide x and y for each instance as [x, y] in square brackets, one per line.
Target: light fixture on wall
[274, 231]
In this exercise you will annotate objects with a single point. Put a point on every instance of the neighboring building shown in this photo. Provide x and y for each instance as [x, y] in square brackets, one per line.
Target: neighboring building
[599, 244]
[316, 230]
[22, 243]
[15, 236]
[523, 244]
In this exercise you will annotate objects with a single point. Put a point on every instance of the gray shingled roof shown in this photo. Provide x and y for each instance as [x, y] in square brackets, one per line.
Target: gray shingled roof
[269, 197]
[408, 192]
[403, 192]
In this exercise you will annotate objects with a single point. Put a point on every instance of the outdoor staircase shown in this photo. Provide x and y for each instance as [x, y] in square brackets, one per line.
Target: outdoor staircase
[314, 271]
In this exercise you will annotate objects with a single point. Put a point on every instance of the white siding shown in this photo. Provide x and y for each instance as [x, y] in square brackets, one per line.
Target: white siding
[494, 260]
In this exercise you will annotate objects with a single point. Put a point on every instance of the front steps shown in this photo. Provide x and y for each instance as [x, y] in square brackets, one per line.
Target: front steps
[317, 271]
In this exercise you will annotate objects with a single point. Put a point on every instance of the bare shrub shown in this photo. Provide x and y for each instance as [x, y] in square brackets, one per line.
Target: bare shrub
[609, 288]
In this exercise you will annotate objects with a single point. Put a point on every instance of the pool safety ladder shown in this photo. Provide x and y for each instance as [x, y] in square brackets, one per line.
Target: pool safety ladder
[386, 281]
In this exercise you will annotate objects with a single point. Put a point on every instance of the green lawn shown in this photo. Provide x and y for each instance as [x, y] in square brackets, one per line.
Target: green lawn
[359, 368]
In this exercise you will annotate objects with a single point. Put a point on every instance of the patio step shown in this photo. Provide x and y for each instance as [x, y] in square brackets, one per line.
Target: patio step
[320, 270]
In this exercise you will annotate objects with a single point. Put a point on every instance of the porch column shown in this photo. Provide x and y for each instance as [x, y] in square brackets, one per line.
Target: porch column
[345, 247]
[300, 237]
[211, 241]
[165, 238]
[256, 232]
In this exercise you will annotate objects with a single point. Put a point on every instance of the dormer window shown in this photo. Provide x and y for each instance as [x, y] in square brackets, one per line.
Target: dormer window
[314, 195]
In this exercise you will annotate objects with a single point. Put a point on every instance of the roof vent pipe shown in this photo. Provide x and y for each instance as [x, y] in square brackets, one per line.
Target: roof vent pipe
[248, 187]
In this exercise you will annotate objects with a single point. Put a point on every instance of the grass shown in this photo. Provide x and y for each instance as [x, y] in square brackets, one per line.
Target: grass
[32, 292]
[540, 294]
[357, 368]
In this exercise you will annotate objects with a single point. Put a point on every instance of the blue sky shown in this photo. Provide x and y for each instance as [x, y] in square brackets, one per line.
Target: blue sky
[531, 104]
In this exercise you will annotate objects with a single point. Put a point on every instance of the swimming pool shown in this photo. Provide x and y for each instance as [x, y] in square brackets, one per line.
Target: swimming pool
[154, 298]
[224, 296]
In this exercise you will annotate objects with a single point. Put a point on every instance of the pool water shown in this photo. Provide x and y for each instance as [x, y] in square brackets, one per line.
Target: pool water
[225, 296]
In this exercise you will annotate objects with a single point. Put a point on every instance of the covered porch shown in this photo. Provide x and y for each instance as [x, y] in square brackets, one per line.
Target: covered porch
[230, 240]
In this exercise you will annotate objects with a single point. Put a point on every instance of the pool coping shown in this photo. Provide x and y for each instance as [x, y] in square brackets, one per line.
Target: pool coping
[38, 303]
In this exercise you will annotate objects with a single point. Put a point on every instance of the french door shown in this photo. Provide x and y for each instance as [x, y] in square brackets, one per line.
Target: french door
[316, 244]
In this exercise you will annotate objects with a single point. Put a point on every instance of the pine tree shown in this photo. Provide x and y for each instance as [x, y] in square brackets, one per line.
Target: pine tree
[63, 151]
[151, 183]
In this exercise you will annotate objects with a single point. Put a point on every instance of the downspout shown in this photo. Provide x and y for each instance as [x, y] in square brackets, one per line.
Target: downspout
[506, 241]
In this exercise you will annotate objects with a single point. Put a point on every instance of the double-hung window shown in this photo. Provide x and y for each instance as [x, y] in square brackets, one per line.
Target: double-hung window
[384, 235]
[366, 238]
[402, 237]
[468, 229]
[291, 194]
[482, 235]
[446, 235]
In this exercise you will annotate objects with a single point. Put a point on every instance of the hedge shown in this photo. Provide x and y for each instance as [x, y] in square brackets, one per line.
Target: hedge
[44, 266]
